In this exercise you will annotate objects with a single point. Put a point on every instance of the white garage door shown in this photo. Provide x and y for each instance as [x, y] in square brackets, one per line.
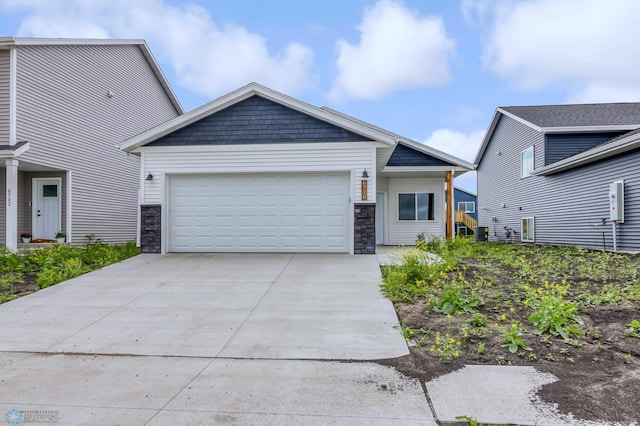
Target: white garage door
[259, 213]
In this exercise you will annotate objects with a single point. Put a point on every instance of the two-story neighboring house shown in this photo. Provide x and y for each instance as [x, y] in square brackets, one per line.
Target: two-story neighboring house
[65, 105]
[545, 175]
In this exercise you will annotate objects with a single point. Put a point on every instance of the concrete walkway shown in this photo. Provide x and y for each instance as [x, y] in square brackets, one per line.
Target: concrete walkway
[202, 339]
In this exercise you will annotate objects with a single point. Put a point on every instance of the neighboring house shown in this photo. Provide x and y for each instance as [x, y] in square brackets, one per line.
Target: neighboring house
[259, 171]
[65, 105]
[465, 203]
[544, 174]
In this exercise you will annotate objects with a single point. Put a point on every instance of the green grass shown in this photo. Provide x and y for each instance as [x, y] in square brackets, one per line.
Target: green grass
[51, 265]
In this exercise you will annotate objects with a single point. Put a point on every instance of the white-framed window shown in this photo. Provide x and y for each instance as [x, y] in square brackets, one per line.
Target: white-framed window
[528, 230]
[416, 206]
[467, 206]
[527, 162]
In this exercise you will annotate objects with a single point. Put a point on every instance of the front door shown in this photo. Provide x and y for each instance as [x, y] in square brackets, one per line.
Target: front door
[46, 208]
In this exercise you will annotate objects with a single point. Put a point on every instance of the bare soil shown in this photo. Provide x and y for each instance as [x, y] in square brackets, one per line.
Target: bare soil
[599, 372]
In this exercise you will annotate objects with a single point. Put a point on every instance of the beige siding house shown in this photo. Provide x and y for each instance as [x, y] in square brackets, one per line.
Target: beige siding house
[65, 105]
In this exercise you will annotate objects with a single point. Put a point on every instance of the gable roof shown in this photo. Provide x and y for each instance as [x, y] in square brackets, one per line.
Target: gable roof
[571, 118]
[257, 120]
[624, 143]
[350, 124]
[408, 142]
[9, 42]
[405, 156]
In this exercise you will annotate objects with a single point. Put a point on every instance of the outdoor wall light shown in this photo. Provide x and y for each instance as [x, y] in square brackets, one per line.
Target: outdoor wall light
[365, 174]
[149, 177]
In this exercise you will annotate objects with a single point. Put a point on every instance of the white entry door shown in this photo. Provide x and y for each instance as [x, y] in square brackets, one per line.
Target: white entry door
[46, 208]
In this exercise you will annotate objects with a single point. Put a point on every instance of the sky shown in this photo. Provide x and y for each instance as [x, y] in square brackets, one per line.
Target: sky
[430, 70]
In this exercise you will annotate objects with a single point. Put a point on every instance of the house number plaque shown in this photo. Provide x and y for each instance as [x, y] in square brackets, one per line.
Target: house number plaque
[364, 192]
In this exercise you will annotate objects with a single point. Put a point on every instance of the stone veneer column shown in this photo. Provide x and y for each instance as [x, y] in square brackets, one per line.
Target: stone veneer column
[150, 228]
[364, 228]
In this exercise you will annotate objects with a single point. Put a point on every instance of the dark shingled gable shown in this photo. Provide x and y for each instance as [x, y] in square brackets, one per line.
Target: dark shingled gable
[406, 156]
[257, 120]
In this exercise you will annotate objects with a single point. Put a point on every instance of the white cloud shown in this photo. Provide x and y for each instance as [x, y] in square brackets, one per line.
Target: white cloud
[464, 146]
[209, 57]
[475, 11]
[398, 49]
[589, 47]
[461, 145]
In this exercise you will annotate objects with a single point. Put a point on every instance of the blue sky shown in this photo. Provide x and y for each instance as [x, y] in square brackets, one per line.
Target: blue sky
[433, 71]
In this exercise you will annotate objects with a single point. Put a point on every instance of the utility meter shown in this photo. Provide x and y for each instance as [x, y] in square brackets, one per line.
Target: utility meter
[616, 201]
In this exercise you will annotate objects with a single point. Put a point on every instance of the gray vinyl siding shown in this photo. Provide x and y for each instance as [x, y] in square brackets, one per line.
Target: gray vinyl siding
[560, 146]
[568, 207]
[4, 97]
[64, 111]
[499, 178]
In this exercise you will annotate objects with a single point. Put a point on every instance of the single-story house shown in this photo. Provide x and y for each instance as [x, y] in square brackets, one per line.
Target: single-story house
[562, 175]
[65, 105]
[258, 171]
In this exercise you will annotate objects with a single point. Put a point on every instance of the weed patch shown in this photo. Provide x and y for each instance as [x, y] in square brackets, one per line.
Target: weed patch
[42, 268]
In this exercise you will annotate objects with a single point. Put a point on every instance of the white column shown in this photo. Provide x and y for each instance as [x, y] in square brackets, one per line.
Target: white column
[12, 204]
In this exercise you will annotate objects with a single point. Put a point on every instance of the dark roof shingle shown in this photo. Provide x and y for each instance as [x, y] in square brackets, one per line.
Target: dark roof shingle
[577, 115]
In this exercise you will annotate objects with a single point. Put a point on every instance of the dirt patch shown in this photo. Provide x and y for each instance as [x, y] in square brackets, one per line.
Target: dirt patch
[599, 371]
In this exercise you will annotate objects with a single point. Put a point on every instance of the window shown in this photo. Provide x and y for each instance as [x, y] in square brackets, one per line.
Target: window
[528, 230]
[416, 206]
[527, 162]
[49, 190]
[467, 206]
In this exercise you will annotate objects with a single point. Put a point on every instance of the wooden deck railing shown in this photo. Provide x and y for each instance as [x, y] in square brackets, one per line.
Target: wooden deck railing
[466, 220]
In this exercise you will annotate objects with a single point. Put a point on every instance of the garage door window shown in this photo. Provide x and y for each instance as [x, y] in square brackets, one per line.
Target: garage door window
[416, 206]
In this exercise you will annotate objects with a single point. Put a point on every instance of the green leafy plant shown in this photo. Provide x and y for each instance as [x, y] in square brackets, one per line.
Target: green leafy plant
[551, 313]
[512, 337]
[472, 421]
[445, 347]
[409, 333]
[458, 297]
[413, 277]
[633, 328]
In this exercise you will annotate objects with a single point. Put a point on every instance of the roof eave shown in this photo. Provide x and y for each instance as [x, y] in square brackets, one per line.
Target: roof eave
[588, 129]
[8, 42]
[15, 151]
[244, 93]
[403, 169]
[43, 41]
[487, 137]
[160, 76]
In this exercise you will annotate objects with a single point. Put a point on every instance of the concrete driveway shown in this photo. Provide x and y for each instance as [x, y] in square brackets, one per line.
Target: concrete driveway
[210, 338]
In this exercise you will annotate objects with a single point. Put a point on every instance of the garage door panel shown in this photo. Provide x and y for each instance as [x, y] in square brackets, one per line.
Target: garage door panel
[306, 212]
